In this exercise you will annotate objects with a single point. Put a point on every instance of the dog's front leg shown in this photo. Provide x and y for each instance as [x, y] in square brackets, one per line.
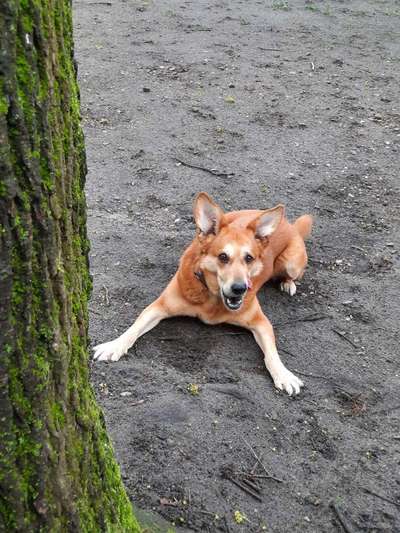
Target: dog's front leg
[147, 320]
[265, 338]
[169, 304]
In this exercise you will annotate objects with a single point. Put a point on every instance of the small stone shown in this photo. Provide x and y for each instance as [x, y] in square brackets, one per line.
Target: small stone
[146, 89]
[126, 393]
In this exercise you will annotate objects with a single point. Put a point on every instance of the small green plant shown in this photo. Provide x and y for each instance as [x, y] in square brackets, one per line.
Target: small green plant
[312, 7]
[280, 6]
[193, 389]
[239, 517]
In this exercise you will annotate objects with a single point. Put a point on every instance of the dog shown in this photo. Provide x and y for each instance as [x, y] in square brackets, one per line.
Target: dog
[231, 257]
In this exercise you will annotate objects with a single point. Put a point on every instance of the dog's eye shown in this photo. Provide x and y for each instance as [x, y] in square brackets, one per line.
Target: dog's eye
[248, 258]
[223, 258]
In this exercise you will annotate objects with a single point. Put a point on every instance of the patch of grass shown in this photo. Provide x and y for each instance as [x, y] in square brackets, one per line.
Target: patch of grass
[392, 13]
[239, 517]
[280, 6]
[359, 13]
[312, 7]
[193, 389]
[230, 99]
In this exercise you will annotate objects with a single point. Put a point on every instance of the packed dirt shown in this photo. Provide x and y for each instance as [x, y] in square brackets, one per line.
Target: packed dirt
[294, 102]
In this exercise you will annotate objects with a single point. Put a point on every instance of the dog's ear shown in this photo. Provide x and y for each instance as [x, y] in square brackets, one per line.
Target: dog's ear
[207, 214]
[266, 223]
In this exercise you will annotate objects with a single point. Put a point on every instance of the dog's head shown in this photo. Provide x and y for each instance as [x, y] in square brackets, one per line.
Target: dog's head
[231, 253]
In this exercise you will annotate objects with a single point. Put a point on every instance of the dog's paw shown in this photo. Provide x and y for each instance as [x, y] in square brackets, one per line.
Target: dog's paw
[110, 351]
[288, 382]
[288, 286]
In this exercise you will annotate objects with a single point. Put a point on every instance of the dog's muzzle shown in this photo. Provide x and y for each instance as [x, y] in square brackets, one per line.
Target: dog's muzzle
[233, 303]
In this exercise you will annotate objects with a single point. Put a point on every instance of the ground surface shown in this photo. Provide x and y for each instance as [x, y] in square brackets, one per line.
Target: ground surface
[300, 102]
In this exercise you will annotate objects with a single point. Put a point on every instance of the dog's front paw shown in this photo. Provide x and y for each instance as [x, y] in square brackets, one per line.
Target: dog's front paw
[288, 382]
[288, 286]
[110, 351]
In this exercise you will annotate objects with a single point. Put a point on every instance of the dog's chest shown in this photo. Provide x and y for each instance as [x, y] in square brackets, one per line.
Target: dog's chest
[211, 321]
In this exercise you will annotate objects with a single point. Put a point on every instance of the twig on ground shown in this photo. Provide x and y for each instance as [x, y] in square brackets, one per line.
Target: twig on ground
[170, 503]
[254, 476]
[212, 171]
[206, 512]
[226, 525]
[261, 463]
[284, 350]
[387, 410]
[139, 402]
[343, 522]
[106, 298]
[185, 455]
[254, 468]
[344, 392]
[235, 394]
[98, 4]
[343, 336]
[316, 376]
[358, 248]
[250, 483]
[369, 491]
[244, 488]
[309, 318]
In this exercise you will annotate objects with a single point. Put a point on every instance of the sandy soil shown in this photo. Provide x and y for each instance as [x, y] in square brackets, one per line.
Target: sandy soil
[294, 102]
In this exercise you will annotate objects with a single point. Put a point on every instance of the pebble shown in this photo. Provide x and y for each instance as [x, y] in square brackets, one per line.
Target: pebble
[126, 393]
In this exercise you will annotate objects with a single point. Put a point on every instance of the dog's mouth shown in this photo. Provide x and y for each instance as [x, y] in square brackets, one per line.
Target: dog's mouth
[233, 303]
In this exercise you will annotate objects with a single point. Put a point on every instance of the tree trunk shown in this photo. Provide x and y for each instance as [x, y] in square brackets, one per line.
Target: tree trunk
[57, 469]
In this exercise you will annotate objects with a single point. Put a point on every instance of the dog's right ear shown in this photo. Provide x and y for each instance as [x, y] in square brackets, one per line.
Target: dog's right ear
[207, 214]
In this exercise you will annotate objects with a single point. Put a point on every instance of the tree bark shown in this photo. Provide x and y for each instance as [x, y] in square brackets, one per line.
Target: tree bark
[57, 468]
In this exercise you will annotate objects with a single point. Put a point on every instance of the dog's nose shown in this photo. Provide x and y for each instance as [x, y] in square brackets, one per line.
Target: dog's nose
[239, 288]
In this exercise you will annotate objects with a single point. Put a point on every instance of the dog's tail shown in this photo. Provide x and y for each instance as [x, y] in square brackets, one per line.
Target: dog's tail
[303, 225]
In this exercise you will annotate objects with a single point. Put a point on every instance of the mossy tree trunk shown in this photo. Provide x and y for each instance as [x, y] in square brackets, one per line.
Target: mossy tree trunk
[57, 469]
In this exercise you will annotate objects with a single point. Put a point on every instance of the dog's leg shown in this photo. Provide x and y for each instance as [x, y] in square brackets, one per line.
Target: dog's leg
[290, 265]
[147, 320]
[262, 330]
[169, 304]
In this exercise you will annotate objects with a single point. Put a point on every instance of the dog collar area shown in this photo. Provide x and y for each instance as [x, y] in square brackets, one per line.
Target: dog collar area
[200, 276]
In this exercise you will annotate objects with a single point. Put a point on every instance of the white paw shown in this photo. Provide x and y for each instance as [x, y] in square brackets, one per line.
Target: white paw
[288, 382]
[110, 351]
[288, 286]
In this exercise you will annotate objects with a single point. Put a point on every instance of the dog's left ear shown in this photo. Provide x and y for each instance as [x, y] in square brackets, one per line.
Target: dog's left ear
[266, 223]
[207, 214]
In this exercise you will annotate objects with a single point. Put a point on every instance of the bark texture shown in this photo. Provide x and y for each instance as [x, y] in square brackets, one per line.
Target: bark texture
[57, 470]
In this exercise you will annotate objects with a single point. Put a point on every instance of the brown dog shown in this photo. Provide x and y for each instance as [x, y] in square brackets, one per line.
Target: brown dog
[219, 275]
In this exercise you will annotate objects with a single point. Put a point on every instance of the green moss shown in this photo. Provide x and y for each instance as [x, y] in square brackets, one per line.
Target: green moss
[3, 189]
[47, 361]
[57, 415]
[4, 105]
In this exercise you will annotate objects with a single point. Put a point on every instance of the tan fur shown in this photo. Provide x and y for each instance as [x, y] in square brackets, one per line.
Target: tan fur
[303, 225]
[277, 248]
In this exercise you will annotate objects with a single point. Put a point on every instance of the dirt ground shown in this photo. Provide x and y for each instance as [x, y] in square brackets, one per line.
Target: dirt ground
[294, 102]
